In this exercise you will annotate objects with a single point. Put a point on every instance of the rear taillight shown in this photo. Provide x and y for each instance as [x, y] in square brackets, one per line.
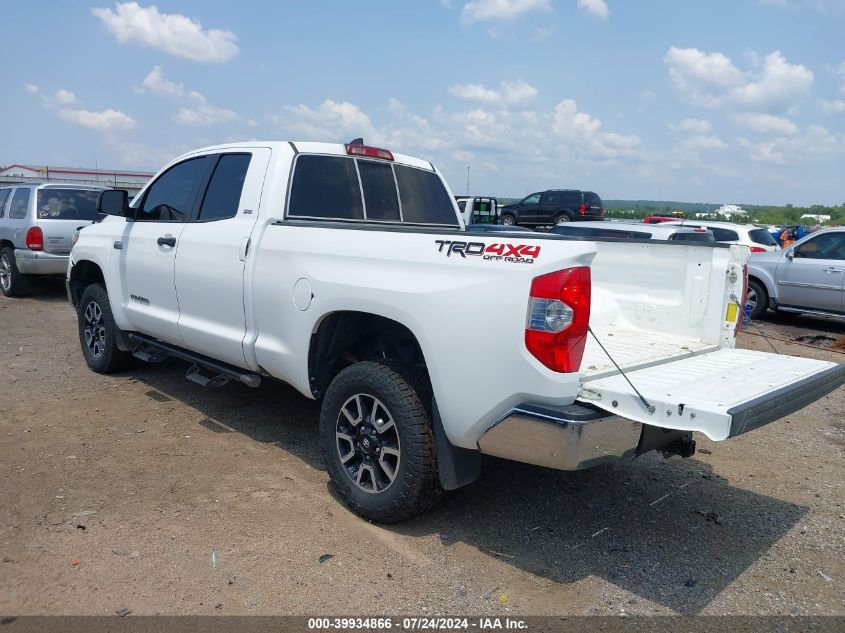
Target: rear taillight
[757, 249]
[582, 209]
[558, 318]
[35, 239]
[369, 152]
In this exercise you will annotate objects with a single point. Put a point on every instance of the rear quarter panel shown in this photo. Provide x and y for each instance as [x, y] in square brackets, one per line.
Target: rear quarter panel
[468, 313]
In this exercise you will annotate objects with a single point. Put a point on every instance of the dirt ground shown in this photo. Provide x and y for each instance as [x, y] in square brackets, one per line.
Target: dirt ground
[146, 492]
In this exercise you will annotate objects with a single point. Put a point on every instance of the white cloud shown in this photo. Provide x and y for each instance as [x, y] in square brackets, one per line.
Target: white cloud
[511, 93]
[832, 107]
[712, 80]
[64, 97]
[482, 10]
[474, 92]
[172, 33]
[766, 124]
[195, 110]
[696, 126]
[584, 131]
[518, 92]
[155, 82]
[61, 97]
[105, 121]
[597, 8]
[204, 114]
[331, 120]
[780, 84]
[815, 143]
[698, 142]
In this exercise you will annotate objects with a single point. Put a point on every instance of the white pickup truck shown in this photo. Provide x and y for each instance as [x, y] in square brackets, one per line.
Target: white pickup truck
[344, 271]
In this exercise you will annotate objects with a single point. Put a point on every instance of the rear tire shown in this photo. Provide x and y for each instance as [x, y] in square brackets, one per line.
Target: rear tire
[758, 298]
[562, 217]
[98, 332]
[378, 445]
[13, 283]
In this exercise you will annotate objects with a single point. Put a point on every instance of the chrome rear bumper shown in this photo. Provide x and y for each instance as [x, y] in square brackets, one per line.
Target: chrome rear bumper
[40, 262]
[571, 437]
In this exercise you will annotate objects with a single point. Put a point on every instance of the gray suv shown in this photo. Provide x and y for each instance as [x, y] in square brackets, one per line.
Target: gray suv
[37, 226]
[806, 277]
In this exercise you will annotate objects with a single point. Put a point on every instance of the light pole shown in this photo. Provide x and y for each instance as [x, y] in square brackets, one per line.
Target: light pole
[467, 179]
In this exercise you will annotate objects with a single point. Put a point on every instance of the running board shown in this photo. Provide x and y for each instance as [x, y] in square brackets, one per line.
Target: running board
[221, 372]
[821, 313]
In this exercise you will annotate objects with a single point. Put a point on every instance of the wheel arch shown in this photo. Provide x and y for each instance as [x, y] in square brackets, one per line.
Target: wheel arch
[342, 338]
[83, 273]
[760, 279]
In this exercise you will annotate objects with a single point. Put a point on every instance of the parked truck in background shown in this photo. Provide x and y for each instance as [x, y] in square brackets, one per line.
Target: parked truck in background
[478, 210]
[344, 271]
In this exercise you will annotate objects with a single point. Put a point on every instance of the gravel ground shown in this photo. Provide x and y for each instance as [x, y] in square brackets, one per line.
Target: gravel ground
[143, 491]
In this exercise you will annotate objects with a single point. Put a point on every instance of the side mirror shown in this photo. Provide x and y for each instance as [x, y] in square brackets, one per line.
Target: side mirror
[114, 202]
[790, 253]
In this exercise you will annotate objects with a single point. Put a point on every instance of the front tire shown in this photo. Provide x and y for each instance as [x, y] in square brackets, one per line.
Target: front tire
[508, 220]
[757, 298]
[378, 445]
[13, 283]
[98, 332]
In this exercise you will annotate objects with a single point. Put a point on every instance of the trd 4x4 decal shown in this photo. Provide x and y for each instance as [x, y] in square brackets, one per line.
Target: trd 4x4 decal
[513, 253]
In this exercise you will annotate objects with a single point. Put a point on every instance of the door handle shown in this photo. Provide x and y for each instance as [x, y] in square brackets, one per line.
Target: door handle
[831, 269]
[166, 240]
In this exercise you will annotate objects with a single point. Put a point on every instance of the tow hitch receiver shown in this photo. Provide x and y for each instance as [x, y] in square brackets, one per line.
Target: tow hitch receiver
[684, 446]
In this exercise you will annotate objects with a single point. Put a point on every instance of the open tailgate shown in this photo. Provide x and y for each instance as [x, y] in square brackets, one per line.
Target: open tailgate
[721, 394]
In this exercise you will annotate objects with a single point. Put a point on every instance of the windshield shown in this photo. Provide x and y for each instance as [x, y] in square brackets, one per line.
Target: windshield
[762, 236]
[67, 204]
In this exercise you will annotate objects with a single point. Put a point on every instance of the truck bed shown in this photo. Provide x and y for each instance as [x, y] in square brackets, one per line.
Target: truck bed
[635, 349]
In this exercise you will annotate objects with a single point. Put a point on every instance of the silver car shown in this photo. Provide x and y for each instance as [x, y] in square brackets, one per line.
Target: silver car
[806, 277]
[37, 226]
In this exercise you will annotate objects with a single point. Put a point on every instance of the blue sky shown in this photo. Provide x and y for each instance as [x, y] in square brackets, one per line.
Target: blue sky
[718, 101]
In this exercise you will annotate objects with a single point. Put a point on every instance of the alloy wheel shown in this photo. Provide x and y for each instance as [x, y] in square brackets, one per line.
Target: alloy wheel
[5, 272]
[95, 329]
[367, 443]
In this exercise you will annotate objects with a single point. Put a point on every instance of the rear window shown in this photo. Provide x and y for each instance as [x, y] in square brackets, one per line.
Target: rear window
[724, 235]
[762, 236]
[67, 204]
[697, 236]
[341, 188]
[380, 197]
[424, 198]
[591, 199]
[326, 187]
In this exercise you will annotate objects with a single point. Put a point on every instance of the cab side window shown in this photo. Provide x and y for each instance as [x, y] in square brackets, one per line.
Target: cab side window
[171, 196]
[223, 195]
[20, 204]
[4, 195]
[830, 246]
[534, 198]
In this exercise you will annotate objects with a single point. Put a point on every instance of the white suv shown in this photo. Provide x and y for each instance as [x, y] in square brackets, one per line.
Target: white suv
[759, 240]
